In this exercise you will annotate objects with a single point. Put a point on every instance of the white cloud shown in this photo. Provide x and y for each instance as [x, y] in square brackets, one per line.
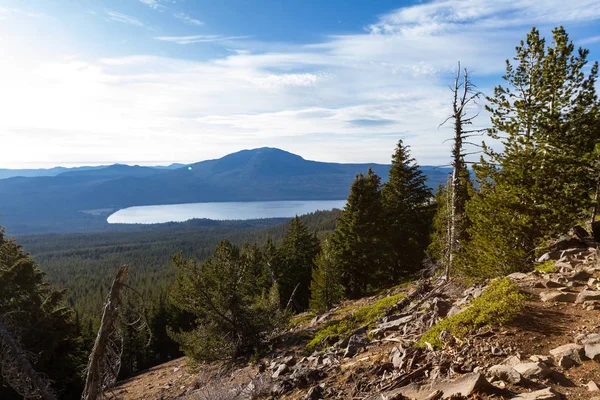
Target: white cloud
[198, 38]
[125, 19]
[187, 19]
[154, 4]
[346, 98]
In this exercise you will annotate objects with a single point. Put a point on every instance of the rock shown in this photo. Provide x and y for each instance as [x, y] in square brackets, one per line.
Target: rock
[587, 295]
[580, 232]
[454, 310]
[517, 276]
[395, 324]
[580, 276]
[543, 359]
[511, 361]
[465, 385]
[497, 351]
[533, 370]
[397, 357]
[592, 351]
[551, 255]
[290, 361]
[566, 362]
[545, 394]
[355, 345]
[555, 295]
[554, 285]
[280, 388]
[571, 350]
[593, 386]
[592, 282]
[305, 376]
[315, 393]
[437, 395]
[505, 373]
[281, 369]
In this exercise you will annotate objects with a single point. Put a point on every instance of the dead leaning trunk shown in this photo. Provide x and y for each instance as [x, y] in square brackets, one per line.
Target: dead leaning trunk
[22, 364]
[93, 383]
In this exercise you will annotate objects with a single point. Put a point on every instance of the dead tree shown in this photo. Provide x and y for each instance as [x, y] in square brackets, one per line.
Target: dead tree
[17, 370]
[105, 359]
[464, 94]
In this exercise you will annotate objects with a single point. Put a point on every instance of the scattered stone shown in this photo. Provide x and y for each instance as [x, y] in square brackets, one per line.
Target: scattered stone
[566, 362]
[553, 285]
[592, 350]
[281, 369]
[355, 345]
[281, 387]
[394, 325]
[497, 351]
[505, 373]
[533, 370]
[551, 296]
[592, 282]
[315, 393]
[571, 350]
[465, 385]
[512, 361]
[580, 276]
[517, 276]
[587, 295]
[545, 394]
[543, 359]
[551, 255]
[593, 386]
[437, 395]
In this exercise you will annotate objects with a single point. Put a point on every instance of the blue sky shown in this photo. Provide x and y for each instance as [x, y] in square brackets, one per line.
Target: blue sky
[160, 81]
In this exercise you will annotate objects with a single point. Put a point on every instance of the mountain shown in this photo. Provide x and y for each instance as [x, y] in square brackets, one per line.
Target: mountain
[6, 173]
[80, 200]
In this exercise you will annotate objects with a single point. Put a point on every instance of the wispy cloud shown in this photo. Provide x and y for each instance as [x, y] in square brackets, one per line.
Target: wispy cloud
[154, 4]
[198, 38]
[343, 98]
[187, 19]
[590, 40]
[123, 18]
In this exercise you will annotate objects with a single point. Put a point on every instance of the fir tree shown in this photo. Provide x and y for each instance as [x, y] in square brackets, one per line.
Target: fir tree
[358, 240]
[326, 290]
[296, 262]
[537, 186]
[408, 212]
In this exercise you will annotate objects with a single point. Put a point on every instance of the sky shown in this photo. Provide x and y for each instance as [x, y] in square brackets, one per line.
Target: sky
[150, 82]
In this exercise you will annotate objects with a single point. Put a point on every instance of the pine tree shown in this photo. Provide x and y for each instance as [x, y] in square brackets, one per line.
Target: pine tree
[39, 321]
[408, 213]
[537, 186]
[296, 262]
[326, 290]
[358, 240]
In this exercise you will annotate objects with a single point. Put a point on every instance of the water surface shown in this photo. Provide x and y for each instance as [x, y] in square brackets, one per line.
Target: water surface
[220, 211]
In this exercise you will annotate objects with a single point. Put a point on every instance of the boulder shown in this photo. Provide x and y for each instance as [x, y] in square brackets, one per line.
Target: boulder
[587, 295]
[592, 351]
[533, 370]
[571, 350]
[511, 361]
[593, 386]
[517, 276]
[551, 255]
[543, 359]
[395, 324]
[315, 393]
[555, 295]
[281, 369]
[505, 373]
[544, 394]
[554, 285]
[355, 345]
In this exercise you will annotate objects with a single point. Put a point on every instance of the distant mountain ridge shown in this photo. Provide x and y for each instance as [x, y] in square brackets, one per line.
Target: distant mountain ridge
[6, 173]
[80, 200]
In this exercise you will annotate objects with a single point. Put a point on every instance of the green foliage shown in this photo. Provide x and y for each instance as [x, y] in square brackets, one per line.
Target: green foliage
[40, 321]
[499, 303]
[325, 290]
[548, 266]
[232, 318]
[301, 319]
[357, 241]
[407, 216]
[295, 264]
[364, 316]
[547, 120]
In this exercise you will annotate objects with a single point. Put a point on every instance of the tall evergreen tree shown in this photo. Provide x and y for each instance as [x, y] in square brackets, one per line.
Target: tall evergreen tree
[40, 322]
[358, 240]
[326, 289]
[408, 212]
[296, 262]
[539, 183]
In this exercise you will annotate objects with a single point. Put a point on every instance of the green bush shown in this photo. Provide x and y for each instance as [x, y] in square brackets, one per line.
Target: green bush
[498, 304]
[335, 330]
[546, 266]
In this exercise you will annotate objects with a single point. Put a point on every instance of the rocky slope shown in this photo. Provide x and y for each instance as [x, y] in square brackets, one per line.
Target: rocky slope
[551, 350]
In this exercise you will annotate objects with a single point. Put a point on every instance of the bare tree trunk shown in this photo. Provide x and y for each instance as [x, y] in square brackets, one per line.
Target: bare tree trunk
[595, 207]
[97, 364]
[23, 367]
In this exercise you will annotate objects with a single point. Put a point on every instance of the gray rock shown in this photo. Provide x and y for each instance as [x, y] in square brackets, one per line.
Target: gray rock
[511, 361]
[554, 285]
[566, 362]
[593, 386]
[355, 345]
[558, 296]
[580, 276]
[587, 295]
[543, 359]
[282, 369]
[517, 276]
[592, 350]
[571, 350]
[315, 393]
[395, 324]
[505, 373]
[533, 370]
[551, 255]
[545, 394]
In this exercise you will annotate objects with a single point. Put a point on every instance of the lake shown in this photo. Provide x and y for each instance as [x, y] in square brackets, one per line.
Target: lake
[221, 211]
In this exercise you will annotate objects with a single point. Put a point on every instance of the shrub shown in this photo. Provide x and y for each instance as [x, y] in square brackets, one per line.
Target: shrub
[498, 304]
[364, 316]
[546, 266]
